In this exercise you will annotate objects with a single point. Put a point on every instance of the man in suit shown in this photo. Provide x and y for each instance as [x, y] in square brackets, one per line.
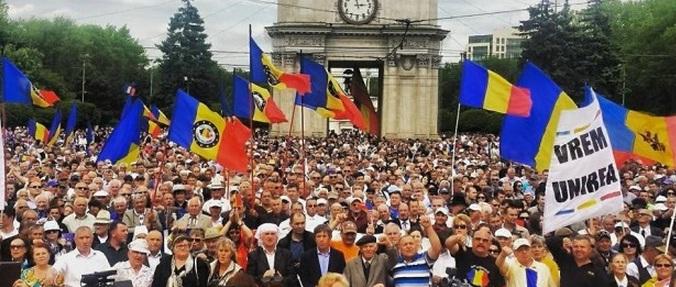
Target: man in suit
[318, 261]
[140, 215]
[369, 269]
[268, 262]
[645, 217]
[404, 221]
[194, 218]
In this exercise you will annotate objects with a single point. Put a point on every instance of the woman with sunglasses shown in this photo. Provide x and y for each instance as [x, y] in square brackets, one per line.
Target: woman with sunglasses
[41, 274]
[664, 266]
[462, 226]
[630, 247]
[181, 269]
[618, 272]
[56, 246]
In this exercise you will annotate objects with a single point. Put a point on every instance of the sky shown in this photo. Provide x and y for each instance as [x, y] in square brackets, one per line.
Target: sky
[226, 21]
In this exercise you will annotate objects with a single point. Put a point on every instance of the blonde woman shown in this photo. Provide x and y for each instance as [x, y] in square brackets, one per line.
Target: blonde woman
[331, 279]
[538, 248]
[225, 271]
[664, 266]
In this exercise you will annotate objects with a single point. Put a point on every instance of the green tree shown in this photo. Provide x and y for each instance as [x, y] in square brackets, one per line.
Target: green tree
[645, 32]
[186, 62]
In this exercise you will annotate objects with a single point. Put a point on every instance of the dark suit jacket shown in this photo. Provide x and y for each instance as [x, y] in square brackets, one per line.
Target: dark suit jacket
[310, 272]
[631, 281]
[258, 264]
[413, 225]
[197, 277]
[654, 231]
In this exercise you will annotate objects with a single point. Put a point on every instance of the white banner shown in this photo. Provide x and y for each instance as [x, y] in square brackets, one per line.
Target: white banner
[583, 179]
[2, 167]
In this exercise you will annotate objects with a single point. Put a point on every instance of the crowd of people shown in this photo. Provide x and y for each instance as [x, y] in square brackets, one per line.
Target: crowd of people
[342, 210]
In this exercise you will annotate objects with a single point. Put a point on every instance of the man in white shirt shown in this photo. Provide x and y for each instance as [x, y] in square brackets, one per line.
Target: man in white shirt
[154, 239]
[133, 269]
[82, 260]
[217, 191]
[80, 216]
[524, 269]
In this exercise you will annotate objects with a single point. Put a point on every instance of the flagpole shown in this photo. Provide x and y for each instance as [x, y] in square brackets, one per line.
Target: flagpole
[253, 131]
[455, 138]
[671, 228]
[302, 129]
[4, 159]
[293, 115]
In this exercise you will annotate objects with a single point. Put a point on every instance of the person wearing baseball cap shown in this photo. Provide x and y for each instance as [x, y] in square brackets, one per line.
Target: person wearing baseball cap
[134, 269]
[524, 269]
[346, 244]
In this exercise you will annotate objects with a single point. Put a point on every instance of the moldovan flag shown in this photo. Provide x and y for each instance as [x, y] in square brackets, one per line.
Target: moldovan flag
[350, 112]
[38, 131]
[264, 71]
[204, 132]
[484, 89]
[529, 140]
[123, 144]
[264, 108]
[635, 135]
[363, 102]
[55, 128]
[43, 98]
[323, 98]
[583, 179]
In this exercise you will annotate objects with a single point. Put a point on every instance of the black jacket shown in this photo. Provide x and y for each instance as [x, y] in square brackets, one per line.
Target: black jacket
[308, 241]
[310, 271]
[258, 264]
[197, 277]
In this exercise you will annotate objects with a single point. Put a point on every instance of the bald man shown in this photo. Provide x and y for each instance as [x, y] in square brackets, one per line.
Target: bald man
[194, 218]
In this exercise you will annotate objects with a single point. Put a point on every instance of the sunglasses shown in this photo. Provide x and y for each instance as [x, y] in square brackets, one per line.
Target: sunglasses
[52, 231]
[460, 226]
[494, 251]
[198, 240]
[662, 265]
[628, 245]
[35, 186]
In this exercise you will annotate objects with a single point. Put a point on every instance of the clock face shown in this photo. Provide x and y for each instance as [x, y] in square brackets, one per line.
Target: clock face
[357, 11]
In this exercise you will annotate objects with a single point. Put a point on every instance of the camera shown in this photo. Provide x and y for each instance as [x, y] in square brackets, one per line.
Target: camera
[98, 279]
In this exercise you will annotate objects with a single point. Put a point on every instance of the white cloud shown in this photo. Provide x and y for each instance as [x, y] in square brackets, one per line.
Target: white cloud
[17, 11]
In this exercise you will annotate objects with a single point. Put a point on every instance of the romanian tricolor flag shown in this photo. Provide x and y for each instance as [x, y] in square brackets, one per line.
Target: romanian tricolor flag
[635, 135]
[55, 128]
[484, 89]
[38, 131]
[43, 98]
[263, 71]
[71, 123]
[530, 140]
[477, 276]
[159, 115]
[17, 89]
[123, 144]
[259, 100]
[364, 103]
[204, 132]
[324, 97]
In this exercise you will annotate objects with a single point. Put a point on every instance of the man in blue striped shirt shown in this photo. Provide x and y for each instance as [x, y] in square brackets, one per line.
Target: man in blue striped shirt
[413, 268]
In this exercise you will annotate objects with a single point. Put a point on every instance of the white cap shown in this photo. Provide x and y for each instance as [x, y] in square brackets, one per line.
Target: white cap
[661, 198]
[520, 243]
[474, 207]
[503, 233]
[215, 185]
[661, 207]
[442, 210]
[51, 225]
[284, 197]
[621, 224]
[140, 229]
[139, 245]
[635, 187]
[352, 199]
[393, 188]
[322, 201]
[101, 193]
[214, 203]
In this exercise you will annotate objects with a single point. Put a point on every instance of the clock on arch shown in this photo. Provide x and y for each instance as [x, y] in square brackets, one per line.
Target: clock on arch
[357, 11]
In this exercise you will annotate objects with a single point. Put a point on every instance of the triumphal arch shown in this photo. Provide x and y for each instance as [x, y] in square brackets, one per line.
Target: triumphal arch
[377, 34]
